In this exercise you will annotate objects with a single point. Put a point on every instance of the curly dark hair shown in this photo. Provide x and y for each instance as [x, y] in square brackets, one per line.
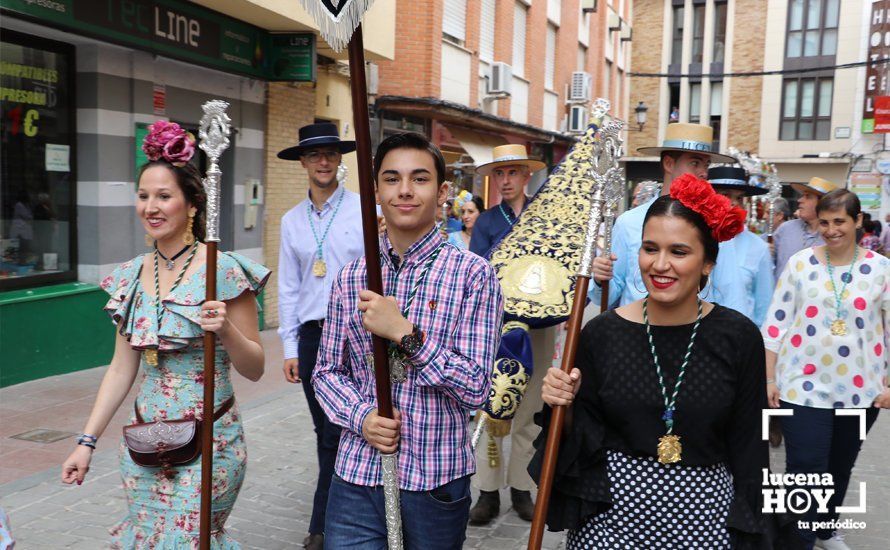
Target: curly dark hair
[189, 179]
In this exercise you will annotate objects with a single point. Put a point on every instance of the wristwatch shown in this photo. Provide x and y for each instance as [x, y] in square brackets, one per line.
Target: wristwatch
[410, 343]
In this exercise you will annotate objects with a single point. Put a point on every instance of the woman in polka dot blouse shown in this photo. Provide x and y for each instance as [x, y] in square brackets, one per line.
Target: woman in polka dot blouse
[826, 337]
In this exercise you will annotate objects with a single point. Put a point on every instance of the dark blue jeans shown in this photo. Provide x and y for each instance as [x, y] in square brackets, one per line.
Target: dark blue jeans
[431, 520]
[327, 434]
[818, 441]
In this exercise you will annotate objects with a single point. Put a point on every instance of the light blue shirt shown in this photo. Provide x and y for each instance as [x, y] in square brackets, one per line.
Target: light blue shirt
[455, 238]
[725, 286]
[755, 273]
[302, 296]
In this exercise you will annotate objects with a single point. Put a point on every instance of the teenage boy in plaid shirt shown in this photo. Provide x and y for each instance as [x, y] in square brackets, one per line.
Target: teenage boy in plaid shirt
[448, 337]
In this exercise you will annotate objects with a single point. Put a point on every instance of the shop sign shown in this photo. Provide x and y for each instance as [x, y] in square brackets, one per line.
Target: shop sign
[882, 115]
[173, 28]
[877, 70]
[868, 188]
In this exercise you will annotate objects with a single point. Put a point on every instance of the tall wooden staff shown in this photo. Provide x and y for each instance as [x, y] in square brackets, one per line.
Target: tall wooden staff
[214, 133]
[605, 173]
[340, 25]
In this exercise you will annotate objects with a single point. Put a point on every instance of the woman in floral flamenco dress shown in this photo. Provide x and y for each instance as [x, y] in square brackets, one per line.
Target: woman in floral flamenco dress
[165, 338]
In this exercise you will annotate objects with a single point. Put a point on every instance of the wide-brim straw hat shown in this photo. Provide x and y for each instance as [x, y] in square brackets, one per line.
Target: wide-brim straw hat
[733, 177]
[688, 138]
[816, 185]
[511, 154]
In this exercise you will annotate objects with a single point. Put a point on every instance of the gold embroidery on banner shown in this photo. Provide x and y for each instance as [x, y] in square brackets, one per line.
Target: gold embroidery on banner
[537, 261]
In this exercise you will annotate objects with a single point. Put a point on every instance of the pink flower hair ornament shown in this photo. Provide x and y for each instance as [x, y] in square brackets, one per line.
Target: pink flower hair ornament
[166, 140]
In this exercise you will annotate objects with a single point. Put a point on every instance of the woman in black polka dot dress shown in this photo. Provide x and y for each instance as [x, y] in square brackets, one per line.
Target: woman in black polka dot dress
[669, 365]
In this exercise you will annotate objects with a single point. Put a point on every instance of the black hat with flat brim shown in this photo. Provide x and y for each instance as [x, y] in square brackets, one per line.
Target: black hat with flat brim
[314, 136]
[732, 177]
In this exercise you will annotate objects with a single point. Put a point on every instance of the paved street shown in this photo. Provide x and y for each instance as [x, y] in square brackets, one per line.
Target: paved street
[274, 506]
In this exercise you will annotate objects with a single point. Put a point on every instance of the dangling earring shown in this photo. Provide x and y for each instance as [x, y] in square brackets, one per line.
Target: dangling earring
[705, 289]
[644, 291]
[189, 236]
[149, 242]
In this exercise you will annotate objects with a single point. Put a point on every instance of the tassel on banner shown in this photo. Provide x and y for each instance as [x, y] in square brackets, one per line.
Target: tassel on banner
[337, 19]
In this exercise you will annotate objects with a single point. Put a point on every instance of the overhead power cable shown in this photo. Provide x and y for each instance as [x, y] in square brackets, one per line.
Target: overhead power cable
[713, 76]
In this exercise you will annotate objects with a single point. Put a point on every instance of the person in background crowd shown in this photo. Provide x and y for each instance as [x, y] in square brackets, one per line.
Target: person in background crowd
[803, 232]
[319, 236]
[870, 239]
[755, 267]
[825, 338]
[470, 208]
[510, 170]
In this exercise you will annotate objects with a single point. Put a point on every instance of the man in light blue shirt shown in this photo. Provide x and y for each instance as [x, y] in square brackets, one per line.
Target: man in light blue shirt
[318, 237]
[754, 272]
[686, 149]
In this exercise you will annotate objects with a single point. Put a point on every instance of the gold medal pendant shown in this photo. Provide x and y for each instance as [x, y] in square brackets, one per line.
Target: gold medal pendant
[839, 327]
[319, 268]
[151, 357]
[669, 449]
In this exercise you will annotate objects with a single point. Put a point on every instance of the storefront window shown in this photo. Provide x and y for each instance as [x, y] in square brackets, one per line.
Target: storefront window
[37, 189]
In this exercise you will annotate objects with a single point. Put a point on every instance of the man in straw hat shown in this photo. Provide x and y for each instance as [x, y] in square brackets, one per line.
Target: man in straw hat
[795, 235]
[510, 171]
[318, 237]
[686, 149]
[755, 264]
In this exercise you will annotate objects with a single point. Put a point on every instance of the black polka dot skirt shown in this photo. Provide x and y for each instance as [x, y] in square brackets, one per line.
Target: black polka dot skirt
[659, 506]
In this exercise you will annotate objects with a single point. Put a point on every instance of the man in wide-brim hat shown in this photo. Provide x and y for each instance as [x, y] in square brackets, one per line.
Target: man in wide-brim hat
[755, 264]
[318, 237]
[795, 235]
[510, 171]
[687, 148]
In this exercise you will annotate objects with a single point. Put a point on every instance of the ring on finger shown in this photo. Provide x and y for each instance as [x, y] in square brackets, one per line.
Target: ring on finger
[211, 313]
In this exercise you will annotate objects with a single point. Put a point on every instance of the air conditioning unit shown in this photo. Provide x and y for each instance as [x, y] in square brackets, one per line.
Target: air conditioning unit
[614, 21]
[588, 6]
[626, 32]
[501, 80]
[578, 119]
[580, 88]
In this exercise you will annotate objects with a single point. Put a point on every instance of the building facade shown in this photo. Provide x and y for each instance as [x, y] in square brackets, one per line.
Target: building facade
[805, 114]
[473, 74]
[81, 85]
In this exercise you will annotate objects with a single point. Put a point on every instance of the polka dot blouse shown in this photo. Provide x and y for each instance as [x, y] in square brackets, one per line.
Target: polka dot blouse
[819, 369]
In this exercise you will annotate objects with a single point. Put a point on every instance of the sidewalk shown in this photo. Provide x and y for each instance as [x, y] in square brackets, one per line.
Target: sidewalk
[273, 508]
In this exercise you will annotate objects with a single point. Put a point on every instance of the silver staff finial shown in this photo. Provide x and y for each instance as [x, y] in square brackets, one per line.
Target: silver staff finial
[214, 133]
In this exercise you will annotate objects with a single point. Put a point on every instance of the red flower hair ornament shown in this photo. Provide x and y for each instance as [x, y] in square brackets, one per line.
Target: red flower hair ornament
[725, 220]
[166, 140]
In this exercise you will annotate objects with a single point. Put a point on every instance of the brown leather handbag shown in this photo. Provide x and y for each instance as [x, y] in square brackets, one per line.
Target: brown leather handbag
[167, 443]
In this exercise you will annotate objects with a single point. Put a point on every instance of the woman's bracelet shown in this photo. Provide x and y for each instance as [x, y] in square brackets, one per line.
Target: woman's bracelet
[88, 441]
[770, 381]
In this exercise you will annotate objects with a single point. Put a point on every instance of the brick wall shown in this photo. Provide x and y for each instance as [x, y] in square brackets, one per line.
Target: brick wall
[289, 107]
[503, 43]
[745, 93]
[648, 33]
[415, 71]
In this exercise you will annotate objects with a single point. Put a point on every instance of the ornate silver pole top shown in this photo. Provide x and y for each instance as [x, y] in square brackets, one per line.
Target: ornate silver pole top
[214, 133]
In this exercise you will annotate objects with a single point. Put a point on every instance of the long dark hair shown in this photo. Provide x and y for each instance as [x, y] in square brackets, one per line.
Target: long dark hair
[189, 180]
[668, 206]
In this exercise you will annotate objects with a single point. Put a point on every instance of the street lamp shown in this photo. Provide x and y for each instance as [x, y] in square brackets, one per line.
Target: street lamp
[640, 110]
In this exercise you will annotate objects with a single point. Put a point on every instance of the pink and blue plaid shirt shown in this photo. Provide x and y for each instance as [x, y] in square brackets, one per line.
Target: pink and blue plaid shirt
[459, 308]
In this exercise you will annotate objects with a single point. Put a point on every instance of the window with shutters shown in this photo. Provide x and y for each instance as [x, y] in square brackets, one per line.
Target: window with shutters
[550, 57]
[520, 15]
[486, 31]
[554, 8]
[454, 21]
[582, 58]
